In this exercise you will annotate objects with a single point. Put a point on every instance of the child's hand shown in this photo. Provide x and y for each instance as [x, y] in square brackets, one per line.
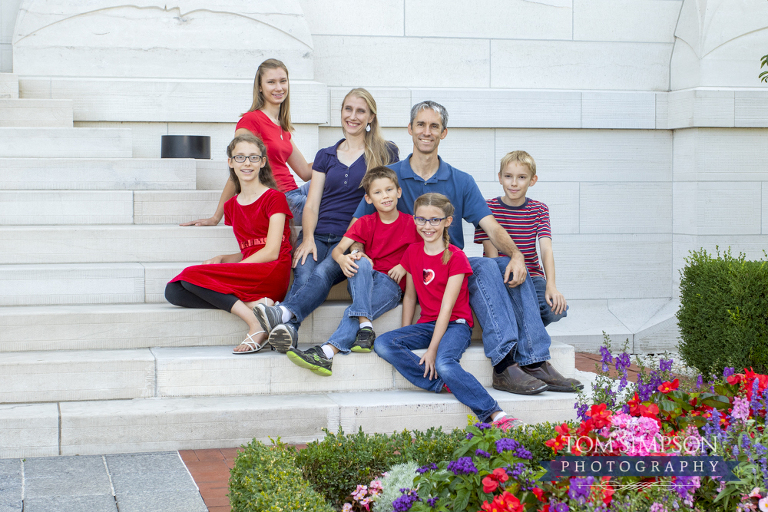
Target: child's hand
[555, 299]
[428, 360]
[215, 259]
[348, 265]
[397, 273]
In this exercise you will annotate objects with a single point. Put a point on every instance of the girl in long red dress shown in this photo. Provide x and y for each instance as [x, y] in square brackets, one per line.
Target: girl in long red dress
[260, 218]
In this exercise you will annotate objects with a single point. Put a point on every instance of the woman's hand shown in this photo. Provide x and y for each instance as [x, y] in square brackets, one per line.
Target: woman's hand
[210, 221]
[428, 360]
[214, 260]
[306, 248]
[397, 273]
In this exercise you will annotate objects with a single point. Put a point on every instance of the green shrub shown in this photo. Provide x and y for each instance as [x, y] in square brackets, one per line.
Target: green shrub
[533, 438]
[398, 477]
[723, 317]
[335, 465]
[266, 479]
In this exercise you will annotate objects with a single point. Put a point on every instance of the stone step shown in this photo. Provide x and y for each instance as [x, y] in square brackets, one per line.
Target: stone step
[155, 424]
[9, 86]
[110, 174]
[72, 375]
[65, 142]
[96, 207]
[113, 244]
[15, 113]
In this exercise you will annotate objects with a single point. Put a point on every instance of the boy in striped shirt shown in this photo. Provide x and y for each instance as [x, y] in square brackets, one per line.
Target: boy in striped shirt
[526, 220]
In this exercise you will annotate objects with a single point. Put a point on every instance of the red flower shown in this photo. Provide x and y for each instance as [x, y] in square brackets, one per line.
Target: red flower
[545, 508]
[666, 387]
[599, 415]
[491, 482]
[563, 429]
[735, 379]
[557, 443]
[505, 502]
[607, 491]
[538, 493]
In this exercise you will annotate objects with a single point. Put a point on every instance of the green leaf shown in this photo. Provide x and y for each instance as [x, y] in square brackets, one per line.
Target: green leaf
[461, 501]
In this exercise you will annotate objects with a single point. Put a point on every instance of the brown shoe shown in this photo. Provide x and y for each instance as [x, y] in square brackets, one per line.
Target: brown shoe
[555, 382]
[514, 380]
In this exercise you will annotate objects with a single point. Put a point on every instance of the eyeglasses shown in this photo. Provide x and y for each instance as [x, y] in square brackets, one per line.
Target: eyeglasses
[255, 159]
[434, 221]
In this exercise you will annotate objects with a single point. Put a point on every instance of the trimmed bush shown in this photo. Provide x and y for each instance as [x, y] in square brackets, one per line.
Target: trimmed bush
[266, 479]
[336, 464]
[723, 317]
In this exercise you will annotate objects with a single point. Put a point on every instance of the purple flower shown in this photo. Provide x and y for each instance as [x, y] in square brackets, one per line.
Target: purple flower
[727, 372]
[462, 466]
[686, 485]
[429, 467]
[504, 444]
[432, 501]
[406, 501]
[665, 365]
[623, 362]
[606, 359]
[470, 435]
[483, 426]
[560, 507]
[483, 453]
[580, 488]
[581, 411]
[515, 472]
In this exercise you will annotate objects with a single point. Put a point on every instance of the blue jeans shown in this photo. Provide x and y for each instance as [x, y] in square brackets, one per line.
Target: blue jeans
[510, 317]
[373, 294]
[296, 200]
[313, 280]
[396, 348]
[547, 315]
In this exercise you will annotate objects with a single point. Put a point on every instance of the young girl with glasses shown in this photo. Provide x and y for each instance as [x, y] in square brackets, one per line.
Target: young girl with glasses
[269, 118]
[437, 275]
[260, 272]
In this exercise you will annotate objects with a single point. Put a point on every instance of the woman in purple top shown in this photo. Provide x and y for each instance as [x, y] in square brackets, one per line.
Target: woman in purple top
[335, 190]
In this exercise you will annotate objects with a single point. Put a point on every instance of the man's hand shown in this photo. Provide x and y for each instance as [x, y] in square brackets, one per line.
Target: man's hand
[516, 272]
[306, 248]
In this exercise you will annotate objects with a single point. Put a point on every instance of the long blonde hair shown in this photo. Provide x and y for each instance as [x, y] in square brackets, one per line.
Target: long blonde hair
[377, 149]
[444, 204]
[258, 97]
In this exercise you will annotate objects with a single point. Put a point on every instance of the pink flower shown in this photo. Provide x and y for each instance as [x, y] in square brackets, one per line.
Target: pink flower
[347, 507]
[763, 504]
[755, 493]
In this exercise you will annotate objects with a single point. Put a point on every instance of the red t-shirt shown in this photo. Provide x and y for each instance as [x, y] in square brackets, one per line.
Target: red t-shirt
[279, 146]
[384, 243]
[430, 277]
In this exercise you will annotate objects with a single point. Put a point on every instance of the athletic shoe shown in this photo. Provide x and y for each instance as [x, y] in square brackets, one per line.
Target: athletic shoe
[269, 317]
[283, 338]
[364, 340]
[312, 359]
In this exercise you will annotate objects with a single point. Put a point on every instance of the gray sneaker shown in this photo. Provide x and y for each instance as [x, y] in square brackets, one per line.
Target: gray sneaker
[269, 317]
[283, 338]
[312, 359]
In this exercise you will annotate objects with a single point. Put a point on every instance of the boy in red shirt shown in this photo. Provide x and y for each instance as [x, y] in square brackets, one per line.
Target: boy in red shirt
[378, 284]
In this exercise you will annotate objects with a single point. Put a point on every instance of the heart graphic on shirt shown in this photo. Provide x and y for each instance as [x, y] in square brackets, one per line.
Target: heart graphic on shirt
[429, 275]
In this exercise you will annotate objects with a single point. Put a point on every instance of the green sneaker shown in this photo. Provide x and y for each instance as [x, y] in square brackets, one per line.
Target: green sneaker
[312, 359]
[364, 340]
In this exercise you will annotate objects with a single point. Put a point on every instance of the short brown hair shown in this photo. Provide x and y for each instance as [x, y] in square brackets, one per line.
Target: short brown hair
[520, 157]
[378, 173]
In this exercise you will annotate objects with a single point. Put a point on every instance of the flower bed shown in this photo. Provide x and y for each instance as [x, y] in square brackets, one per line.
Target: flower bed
[493, 468]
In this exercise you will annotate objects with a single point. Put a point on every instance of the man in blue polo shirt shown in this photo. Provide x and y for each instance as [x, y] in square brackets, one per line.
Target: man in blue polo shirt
[514, 337]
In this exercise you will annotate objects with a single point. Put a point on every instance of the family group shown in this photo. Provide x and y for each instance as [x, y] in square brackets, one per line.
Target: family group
[392, 229]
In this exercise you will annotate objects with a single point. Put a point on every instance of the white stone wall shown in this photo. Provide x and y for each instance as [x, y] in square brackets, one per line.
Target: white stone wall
[8, 11]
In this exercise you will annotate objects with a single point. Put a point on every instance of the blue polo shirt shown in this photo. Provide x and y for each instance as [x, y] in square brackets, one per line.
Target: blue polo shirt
[457, 185]
[341, 191]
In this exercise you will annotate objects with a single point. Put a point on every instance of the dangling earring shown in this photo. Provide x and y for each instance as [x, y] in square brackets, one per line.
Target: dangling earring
[368, 127]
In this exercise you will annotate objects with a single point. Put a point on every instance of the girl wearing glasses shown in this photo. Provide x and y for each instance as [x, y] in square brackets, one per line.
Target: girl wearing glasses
[270, 119]
[259, 273]
[437, 275]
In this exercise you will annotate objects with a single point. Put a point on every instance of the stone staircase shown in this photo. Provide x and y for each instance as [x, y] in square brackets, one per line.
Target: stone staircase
[95, 361]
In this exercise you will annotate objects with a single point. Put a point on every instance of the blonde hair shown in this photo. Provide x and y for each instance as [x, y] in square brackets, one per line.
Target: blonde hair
[444, 204]
[520, 157]
[258, 97]
[266, 177]
[377, 149]
[378, 173]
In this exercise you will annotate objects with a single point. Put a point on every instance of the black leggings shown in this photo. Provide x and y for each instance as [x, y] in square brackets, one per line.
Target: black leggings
[188, 295]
